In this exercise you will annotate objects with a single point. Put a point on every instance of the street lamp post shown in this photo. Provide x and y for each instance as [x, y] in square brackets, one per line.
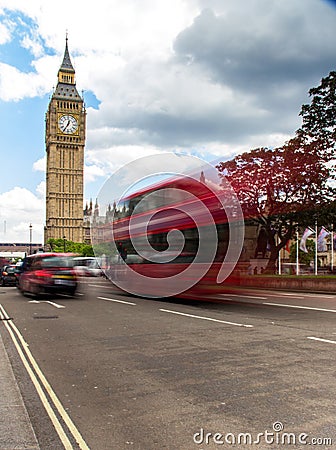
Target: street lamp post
[30, 238]
[64, 243]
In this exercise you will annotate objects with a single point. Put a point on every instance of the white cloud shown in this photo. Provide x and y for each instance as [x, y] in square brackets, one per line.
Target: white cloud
[111, 159]
[92, 172]
[41, 190]
[19, 208]
[16, 85]
[40, 165]
[33, 45]
[146, 28]
[4, 33]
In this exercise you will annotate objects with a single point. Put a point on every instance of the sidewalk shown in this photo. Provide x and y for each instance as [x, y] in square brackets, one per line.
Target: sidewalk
[16, 431]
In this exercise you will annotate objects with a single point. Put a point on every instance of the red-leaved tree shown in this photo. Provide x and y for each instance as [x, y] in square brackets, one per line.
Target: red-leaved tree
[281, 188]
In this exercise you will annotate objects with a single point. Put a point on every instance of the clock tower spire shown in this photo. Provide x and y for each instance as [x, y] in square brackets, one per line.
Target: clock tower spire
[65, 142]
[66, 72]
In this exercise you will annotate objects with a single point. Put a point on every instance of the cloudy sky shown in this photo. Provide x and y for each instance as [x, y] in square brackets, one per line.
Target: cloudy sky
[207, 77]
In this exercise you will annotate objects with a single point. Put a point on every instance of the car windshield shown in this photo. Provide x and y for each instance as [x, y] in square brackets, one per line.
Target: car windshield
[57, 261]
[82, 262]
[88, 262]
[10, 270]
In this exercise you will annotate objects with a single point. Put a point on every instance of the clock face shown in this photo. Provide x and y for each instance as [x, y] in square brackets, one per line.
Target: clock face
[67, 124]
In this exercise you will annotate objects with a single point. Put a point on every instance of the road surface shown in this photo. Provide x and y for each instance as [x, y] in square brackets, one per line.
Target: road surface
[245, 369]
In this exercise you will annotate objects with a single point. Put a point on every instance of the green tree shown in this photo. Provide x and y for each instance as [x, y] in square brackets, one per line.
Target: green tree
[61, 245]
[105, 248]
[319, 116]
[304, 258]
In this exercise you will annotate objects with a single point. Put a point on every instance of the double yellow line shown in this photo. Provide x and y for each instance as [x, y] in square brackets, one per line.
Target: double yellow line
[41, 382]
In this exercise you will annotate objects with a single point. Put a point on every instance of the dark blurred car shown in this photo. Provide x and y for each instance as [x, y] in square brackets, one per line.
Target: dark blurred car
[8, 276]
[47, 273]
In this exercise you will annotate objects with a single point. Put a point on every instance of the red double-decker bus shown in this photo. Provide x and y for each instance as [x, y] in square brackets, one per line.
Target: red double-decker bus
[176, 237]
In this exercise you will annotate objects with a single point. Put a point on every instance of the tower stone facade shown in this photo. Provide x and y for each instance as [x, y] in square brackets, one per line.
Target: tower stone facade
[65, 141]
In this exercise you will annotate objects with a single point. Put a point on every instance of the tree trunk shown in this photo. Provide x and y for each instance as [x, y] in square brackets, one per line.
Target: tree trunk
[272, 262]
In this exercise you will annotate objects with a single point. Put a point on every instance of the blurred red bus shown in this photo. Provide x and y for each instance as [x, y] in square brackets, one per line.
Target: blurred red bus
[138, 238]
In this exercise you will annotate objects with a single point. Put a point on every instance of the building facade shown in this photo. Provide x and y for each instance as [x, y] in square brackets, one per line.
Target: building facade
[65, 141]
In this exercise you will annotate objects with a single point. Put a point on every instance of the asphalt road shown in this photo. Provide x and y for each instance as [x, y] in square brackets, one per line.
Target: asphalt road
[119, 372]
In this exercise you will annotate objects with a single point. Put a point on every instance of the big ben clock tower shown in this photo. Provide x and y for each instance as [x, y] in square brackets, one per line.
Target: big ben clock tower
[65, 141]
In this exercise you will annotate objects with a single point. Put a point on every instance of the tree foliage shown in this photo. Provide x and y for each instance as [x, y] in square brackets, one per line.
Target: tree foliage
[319, 117]
[61, 245]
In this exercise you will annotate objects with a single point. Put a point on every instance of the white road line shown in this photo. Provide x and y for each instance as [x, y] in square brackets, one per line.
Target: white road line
[300, 307]
[40, 378]
[306, 294]
[291, 294]
[320, 294]
[321, 340]
[243, 296]
[207, 318]
[294, 296]
[46, 301]
[117, 301]
[100, 286]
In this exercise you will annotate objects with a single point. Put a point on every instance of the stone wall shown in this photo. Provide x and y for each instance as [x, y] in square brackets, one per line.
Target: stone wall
[308, 284]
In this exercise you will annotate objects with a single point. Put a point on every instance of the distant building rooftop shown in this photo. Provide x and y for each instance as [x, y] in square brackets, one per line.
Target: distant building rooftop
[19, 247]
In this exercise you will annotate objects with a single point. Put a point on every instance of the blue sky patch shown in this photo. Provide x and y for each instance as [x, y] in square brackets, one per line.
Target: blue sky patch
[332, 2]
[22, 142]
[91, 100]
[13, 53]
